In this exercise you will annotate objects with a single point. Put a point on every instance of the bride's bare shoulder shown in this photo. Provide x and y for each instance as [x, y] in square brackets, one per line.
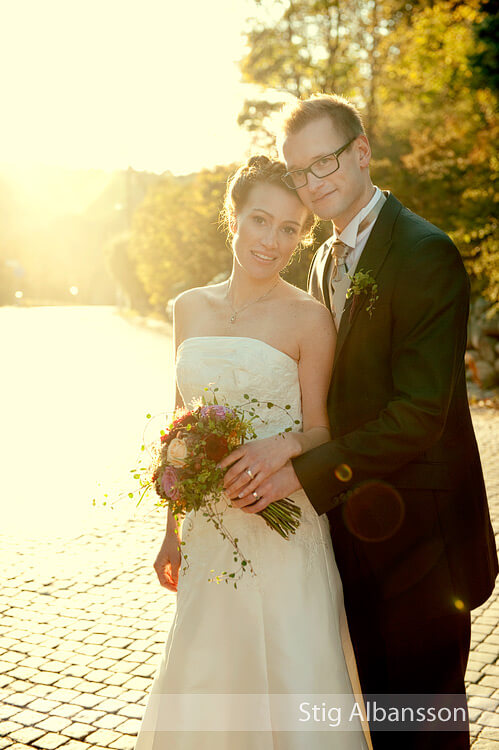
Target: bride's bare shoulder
[311, 323]
[199, 296]
[308, 311]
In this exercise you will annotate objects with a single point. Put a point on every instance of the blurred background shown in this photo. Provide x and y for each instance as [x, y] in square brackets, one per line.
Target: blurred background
[121, 122]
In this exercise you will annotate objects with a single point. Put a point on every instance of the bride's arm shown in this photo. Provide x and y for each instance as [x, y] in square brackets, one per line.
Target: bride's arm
[172, 524]
[261, 458]
[317, 346]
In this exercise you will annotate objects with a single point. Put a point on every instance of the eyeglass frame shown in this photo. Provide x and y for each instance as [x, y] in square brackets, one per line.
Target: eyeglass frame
[308, 169]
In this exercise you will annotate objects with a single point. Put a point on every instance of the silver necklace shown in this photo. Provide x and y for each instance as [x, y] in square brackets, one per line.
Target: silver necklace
[235, 312]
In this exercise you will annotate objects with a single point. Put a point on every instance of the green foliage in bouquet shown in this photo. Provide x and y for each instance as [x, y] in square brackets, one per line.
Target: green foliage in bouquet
[185, 474]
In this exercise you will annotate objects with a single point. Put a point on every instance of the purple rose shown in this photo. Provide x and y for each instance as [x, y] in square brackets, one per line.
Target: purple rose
[168, 481]
[215, 410]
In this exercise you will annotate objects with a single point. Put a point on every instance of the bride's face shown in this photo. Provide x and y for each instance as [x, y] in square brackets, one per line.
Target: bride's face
[267, 229]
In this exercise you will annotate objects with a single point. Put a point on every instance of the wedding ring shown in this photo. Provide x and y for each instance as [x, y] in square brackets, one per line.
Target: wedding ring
[255, 495]
[250, 473]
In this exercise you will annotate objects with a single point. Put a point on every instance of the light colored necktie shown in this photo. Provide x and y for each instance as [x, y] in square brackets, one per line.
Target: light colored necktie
[339, 280]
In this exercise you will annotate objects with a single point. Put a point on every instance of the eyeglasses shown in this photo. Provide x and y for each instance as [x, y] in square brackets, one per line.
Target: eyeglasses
[322, 167]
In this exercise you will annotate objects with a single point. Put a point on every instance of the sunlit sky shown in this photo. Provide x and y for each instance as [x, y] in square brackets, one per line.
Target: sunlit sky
[109, 83]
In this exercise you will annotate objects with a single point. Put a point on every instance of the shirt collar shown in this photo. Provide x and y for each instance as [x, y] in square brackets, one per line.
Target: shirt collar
[349, 234]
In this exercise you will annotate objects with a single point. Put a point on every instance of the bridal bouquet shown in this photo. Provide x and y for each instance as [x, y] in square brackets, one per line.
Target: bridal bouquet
[185, 473]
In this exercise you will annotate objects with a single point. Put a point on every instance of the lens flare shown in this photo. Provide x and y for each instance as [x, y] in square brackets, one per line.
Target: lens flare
[374, 512]
[343, 472]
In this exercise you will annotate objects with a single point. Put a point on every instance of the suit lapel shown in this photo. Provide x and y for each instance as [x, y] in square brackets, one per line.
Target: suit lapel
[371, 260]
[326, 264]
[317, 279]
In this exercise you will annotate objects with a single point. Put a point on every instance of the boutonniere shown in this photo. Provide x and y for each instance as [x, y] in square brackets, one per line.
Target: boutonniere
[363, 284]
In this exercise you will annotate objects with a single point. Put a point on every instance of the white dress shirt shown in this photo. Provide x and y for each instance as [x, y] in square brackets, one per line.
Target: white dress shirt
[349, 234]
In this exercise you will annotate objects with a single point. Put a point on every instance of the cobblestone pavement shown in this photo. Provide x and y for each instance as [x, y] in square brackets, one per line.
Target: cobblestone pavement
[483, 666]
[84, 621]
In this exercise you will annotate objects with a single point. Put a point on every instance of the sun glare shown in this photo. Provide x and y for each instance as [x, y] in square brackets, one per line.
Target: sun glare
[154, 84]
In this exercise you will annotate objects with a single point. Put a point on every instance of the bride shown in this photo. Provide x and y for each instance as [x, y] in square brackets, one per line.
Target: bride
[269, 665]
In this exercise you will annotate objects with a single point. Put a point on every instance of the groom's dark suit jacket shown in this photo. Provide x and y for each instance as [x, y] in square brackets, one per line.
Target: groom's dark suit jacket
[401, 480]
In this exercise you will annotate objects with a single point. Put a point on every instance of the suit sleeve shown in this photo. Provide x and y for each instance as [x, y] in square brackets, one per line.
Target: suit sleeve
[430, 304]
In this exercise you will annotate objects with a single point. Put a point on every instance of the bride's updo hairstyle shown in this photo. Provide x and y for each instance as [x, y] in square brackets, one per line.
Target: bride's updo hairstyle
[258, 170]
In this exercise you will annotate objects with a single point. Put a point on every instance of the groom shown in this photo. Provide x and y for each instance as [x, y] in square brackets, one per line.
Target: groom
[401, 480]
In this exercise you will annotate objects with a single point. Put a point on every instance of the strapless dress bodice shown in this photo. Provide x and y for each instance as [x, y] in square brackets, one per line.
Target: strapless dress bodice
[240, 366]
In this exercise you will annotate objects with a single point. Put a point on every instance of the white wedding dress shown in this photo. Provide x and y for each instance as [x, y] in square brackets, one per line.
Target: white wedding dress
[234, 655]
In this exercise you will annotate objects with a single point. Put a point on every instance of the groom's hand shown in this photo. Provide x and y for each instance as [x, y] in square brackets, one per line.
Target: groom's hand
[250, 464]
[279, 485]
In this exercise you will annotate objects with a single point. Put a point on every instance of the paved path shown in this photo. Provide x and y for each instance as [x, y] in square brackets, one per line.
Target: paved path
[483, 666]
[83, 622]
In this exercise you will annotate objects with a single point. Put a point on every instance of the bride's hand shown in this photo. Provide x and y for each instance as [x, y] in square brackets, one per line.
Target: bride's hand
[168, 561]
[252, 463]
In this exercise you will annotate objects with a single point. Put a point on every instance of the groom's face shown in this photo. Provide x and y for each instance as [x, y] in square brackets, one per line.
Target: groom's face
[338, 196]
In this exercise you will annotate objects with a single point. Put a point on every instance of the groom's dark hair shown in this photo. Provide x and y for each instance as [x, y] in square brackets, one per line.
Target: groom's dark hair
[344, 115]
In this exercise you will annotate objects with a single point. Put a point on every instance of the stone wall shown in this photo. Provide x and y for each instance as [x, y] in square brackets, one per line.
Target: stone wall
[482, 356]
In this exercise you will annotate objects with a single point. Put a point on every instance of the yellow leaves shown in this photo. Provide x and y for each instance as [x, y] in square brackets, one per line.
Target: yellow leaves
[469, 11]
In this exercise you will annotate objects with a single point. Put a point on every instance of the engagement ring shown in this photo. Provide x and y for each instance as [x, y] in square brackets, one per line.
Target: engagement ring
[255, 495]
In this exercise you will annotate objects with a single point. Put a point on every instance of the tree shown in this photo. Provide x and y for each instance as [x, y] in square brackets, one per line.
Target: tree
[484, 60]
[445, 128]
[424, 75]
[300, 47]
[122, 268]
[176, 242]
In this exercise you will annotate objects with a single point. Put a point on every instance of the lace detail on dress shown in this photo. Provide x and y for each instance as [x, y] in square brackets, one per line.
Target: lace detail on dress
[238, 366]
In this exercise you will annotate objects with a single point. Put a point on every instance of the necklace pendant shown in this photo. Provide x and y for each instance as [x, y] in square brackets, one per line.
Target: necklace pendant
[233, 318]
